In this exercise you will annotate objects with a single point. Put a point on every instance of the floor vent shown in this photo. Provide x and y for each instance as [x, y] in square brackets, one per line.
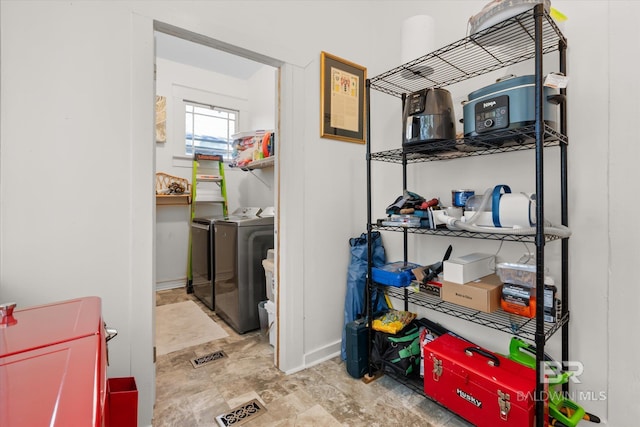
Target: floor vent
[207, 358]
[242, 414]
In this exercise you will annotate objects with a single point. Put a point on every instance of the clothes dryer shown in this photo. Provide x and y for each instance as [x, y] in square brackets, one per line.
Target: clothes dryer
[241, 243]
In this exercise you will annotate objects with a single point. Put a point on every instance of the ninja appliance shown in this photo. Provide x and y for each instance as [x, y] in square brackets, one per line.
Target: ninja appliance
[507, 104]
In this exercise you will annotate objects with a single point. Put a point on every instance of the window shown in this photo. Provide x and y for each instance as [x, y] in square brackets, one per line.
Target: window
[208, 129]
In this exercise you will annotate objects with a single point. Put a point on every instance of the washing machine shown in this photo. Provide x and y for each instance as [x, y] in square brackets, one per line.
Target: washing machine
[202, 260]
[241, 242]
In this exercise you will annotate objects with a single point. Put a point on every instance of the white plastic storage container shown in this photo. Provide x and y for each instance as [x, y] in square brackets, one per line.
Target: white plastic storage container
[517, 274]
[270, 280]
[271, 311]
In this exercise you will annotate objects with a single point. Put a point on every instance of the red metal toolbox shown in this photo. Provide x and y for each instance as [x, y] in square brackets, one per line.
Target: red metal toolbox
[53, 365]
[482, 387]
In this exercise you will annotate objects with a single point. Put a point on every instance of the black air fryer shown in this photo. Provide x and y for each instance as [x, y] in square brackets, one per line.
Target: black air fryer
[428, 117]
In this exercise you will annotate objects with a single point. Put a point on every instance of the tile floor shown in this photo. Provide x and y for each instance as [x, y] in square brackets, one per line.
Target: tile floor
[324, 395]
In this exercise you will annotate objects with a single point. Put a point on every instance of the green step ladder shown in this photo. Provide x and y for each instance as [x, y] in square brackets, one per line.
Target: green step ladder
[208, 163]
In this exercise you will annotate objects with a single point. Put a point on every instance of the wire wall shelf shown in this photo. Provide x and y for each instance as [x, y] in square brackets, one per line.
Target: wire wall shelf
[524, 238]
[497, 142]
[499, 320]
[477, 54]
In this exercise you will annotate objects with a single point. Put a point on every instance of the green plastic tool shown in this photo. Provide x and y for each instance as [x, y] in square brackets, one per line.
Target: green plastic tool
[561, 408]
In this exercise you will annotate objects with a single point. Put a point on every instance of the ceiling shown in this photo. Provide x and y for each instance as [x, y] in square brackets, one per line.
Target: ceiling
[197, 55]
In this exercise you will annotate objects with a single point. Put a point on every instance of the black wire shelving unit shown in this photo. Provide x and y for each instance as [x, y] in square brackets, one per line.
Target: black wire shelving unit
[526, 36]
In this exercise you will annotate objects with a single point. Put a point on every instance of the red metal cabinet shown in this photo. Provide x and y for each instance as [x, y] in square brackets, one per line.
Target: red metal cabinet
[53, 361]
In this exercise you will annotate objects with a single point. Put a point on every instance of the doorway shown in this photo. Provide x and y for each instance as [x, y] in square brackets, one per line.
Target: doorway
[196, 59]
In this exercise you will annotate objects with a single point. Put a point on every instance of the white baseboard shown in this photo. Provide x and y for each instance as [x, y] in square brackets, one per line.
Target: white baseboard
[318, 356]
[322, 354]
[171, 284]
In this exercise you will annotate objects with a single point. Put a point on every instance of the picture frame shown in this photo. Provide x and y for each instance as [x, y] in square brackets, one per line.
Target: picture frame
[342, 99]
[161, 119]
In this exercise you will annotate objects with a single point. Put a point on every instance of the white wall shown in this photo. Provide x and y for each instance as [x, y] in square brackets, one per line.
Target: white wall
[94, 98]
[621, 174]
[262, 94]
[257, 188]
[72, 156]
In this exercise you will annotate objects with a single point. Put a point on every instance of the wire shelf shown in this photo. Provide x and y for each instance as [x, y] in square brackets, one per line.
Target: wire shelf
[497, 142]
[477, 54]
[524, 238]
[499, 320]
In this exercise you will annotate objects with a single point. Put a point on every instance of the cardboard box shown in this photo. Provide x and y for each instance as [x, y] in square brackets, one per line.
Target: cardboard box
[483, 294]
[467, 268]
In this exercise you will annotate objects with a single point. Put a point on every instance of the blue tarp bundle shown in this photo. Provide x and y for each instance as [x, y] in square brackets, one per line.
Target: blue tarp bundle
[354, 304]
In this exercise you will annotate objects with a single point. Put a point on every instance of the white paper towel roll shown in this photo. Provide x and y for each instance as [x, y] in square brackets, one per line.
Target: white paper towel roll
[418, 37]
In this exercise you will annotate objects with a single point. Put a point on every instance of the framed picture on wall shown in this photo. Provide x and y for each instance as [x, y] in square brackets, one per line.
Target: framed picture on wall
[342, 96]
[161, 118]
